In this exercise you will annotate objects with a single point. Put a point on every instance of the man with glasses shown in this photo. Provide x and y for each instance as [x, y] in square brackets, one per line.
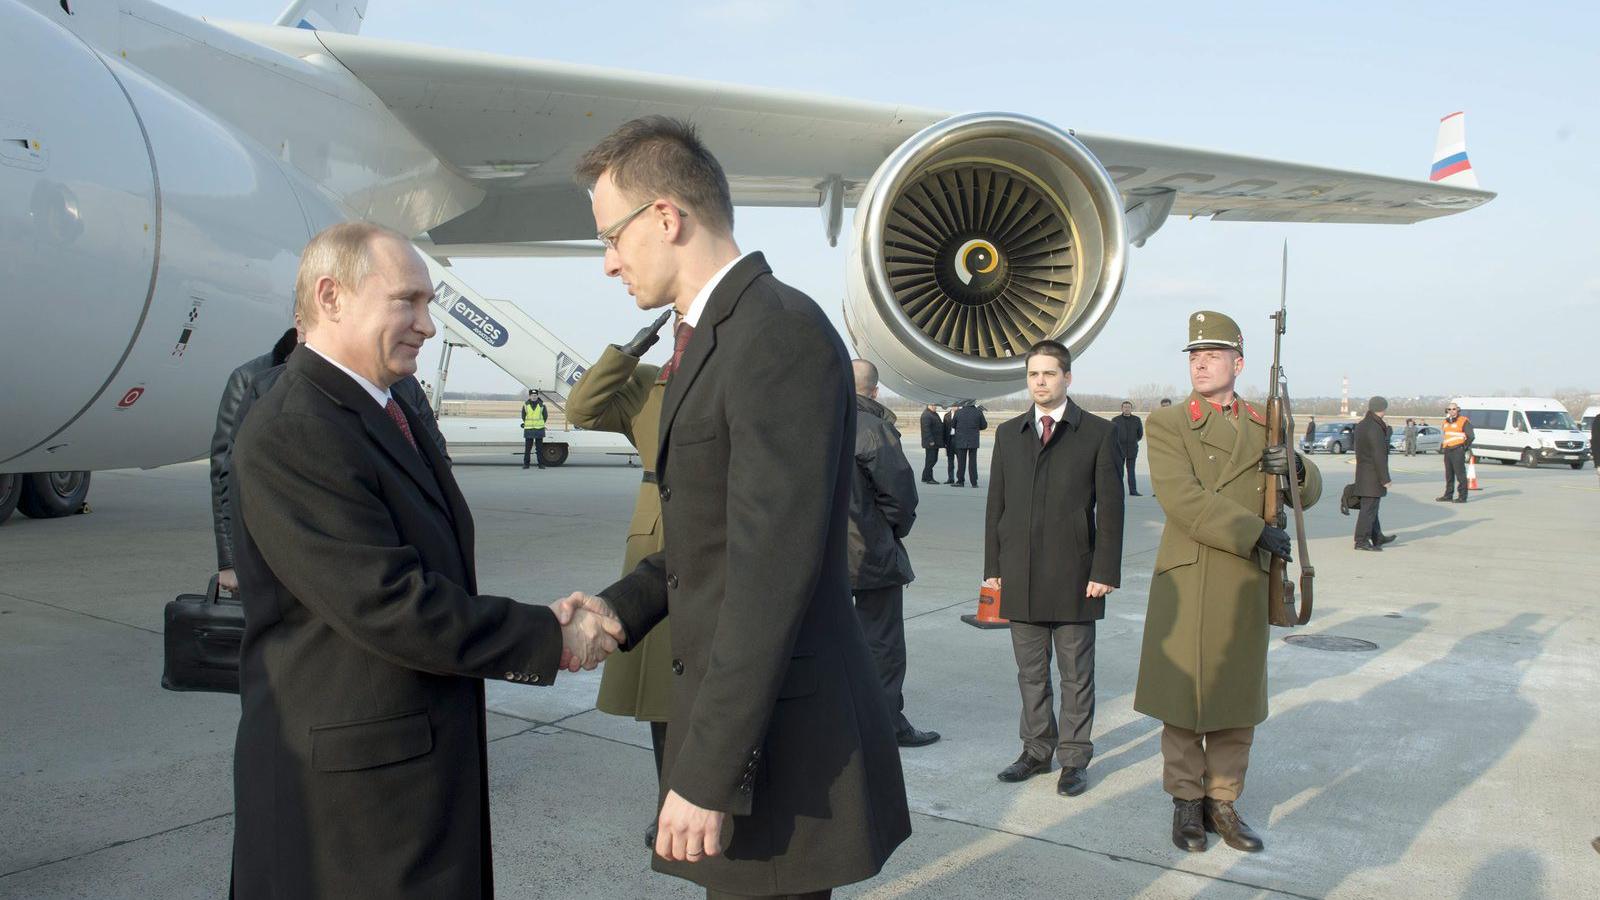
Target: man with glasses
[1456, 445]
[776, 704]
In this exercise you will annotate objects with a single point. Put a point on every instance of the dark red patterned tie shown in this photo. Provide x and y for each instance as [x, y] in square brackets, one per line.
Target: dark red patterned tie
[680, 342]
[393, 409]
[1048, 427]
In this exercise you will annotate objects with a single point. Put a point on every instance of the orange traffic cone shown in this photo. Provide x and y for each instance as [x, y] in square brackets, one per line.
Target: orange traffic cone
[1472, 474]
[988, 610]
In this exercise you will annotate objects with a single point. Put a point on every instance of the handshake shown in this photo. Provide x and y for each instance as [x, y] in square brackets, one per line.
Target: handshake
[590, 631]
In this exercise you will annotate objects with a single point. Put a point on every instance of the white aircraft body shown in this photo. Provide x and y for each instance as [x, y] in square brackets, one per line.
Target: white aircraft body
[160, 173]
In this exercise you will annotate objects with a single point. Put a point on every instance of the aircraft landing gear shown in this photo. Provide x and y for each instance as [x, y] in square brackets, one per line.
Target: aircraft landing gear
[44, 495]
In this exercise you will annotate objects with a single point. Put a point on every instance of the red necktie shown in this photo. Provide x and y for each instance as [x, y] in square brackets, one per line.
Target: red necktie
[680, 342]
[393, 409]
[1048, 427]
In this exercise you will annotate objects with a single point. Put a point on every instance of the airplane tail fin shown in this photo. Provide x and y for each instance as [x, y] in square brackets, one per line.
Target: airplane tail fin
[343, 16]
[1450, 163]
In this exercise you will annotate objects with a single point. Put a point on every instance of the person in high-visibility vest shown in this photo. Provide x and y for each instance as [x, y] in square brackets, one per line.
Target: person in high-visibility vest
[1455, 447]
[533, 421]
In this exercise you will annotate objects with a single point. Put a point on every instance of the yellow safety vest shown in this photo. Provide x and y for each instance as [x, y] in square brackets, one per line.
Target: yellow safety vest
[1455, 433]
[532, 416]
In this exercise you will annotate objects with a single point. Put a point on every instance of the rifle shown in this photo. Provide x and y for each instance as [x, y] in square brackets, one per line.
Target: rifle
[1280, 421]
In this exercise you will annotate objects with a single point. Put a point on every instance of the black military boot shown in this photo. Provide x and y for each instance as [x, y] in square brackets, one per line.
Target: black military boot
[1188, 833]
[1222, 819]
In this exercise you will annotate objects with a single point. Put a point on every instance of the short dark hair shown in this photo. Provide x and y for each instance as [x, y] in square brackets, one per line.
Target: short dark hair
[659, 156]
[1051, 348]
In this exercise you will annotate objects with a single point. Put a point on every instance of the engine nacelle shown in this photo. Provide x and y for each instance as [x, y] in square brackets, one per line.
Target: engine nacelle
[978, 236]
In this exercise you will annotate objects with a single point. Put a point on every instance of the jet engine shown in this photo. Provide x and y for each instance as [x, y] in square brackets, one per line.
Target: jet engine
[978, 236]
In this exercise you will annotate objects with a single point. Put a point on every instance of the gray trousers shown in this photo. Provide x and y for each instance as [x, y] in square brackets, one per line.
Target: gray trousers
[882, 615]
[1073, 645]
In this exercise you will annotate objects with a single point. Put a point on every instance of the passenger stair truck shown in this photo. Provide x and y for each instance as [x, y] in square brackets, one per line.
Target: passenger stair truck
[508, 337]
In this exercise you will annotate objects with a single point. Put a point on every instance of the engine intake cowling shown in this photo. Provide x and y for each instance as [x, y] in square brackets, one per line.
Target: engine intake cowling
[978, 236]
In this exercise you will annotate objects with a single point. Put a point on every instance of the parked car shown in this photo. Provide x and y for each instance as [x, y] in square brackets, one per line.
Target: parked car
[1529, 430]
[1429, 438]
[1335, 437]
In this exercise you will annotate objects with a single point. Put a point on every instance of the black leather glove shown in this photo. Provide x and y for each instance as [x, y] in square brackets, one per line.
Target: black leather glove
[1274, 540]
[646, 338]
[1275, 460]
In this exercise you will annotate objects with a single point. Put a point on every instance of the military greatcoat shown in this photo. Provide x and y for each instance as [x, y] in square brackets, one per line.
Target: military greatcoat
[621, 396]
[1204, 661]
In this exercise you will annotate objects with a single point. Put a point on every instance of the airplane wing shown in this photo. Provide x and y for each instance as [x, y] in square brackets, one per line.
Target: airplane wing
[516, 127]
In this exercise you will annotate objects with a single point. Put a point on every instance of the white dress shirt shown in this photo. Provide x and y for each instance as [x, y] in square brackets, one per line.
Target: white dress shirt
[378, 394]
[1054, 414]
[698, 305]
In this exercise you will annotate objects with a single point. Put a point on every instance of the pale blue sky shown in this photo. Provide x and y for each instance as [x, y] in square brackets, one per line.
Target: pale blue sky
[1502, 298]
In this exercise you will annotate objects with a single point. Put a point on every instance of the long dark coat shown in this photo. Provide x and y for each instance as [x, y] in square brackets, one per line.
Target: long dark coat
[1203, 665]
[1372, 457]
[932, 431]
[969, 420]
[778, 717]
[883, 501]
[361, 765]
[1054, 520]
[619, 395]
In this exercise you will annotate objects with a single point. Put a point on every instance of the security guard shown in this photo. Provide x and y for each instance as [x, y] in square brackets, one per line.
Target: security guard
[1203, 667]
[533, 422]
[620, 395]
[1455, 446]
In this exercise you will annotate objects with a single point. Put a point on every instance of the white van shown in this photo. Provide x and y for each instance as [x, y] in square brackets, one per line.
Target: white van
[1529, 430]
[1586, 421]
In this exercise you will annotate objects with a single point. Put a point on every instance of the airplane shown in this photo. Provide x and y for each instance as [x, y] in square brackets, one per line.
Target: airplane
[159, 174]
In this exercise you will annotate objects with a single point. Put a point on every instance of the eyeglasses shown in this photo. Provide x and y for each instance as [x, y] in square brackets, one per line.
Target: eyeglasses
[609, 236]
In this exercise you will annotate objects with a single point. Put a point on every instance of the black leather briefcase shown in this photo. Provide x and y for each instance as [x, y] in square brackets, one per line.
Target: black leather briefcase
[202, 642]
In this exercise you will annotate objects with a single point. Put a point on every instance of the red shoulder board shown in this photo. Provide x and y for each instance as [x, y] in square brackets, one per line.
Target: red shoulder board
[1255, 415]
[1194, 410]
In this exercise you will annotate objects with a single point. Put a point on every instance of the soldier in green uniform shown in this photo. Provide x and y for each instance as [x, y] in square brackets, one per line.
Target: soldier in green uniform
[622, 396]
[1203, 667]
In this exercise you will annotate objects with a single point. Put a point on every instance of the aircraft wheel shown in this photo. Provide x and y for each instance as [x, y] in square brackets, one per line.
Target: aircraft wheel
[51, 495]
[10, 490]
[554, 454]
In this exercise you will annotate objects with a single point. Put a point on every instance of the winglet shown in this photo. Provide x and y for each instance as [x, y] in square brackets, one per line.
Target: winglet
[343, 16]
[1450, 163]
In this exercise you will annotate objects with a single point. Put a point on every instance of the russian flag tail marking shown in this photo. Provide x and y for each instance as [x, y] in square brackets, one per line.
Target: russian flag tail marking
[1450, 163]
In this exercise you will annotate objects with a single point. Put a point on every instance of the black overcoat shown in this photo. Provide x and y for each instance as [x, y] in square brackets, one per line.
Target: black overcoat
[1054, 519]
[969, 420]
[1372, 457]
[360, 766]
[777, 715]
[932, 431]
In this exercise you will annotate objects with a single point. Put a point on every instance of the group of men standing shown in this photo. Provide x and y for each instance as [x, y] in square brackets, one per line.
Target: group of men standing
[770, 522]
[956, 433]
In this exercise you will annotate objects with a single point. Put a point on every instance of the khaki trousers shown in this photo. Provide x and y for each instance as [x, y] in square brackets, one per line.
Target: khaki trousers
[1213, 764]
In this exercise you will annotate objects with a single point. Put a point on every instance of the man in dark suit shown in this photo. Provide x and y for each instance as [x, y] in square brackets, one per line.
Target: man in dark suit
[949, 422]
[779, 731]
[1127, 432]
[932, 441]
[1372, 474]
[360, 766]
[969, 421]
[1053, 548]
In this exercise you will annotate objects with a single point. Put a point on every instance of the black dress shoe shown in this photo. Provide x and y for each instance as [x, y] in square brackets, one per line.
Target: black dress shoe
[1386, 539]
[1461, 499]
[912, 737]
[949, 481]
[1024, 768]
[1221, 819]
[957, 483]
[1135, 494]
[975, 484]
[1363, 545]
[1445, 499]
[1187, 831]
[1073, 781]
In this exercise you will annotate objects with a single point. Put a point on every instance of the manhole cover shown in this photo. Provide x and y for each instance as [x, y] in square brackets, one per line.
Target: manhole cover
[1330, 642]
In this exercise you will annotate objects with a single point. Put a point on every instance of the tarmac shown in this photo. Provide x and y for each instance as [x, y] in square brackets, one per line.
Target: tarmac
[1455, 758]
